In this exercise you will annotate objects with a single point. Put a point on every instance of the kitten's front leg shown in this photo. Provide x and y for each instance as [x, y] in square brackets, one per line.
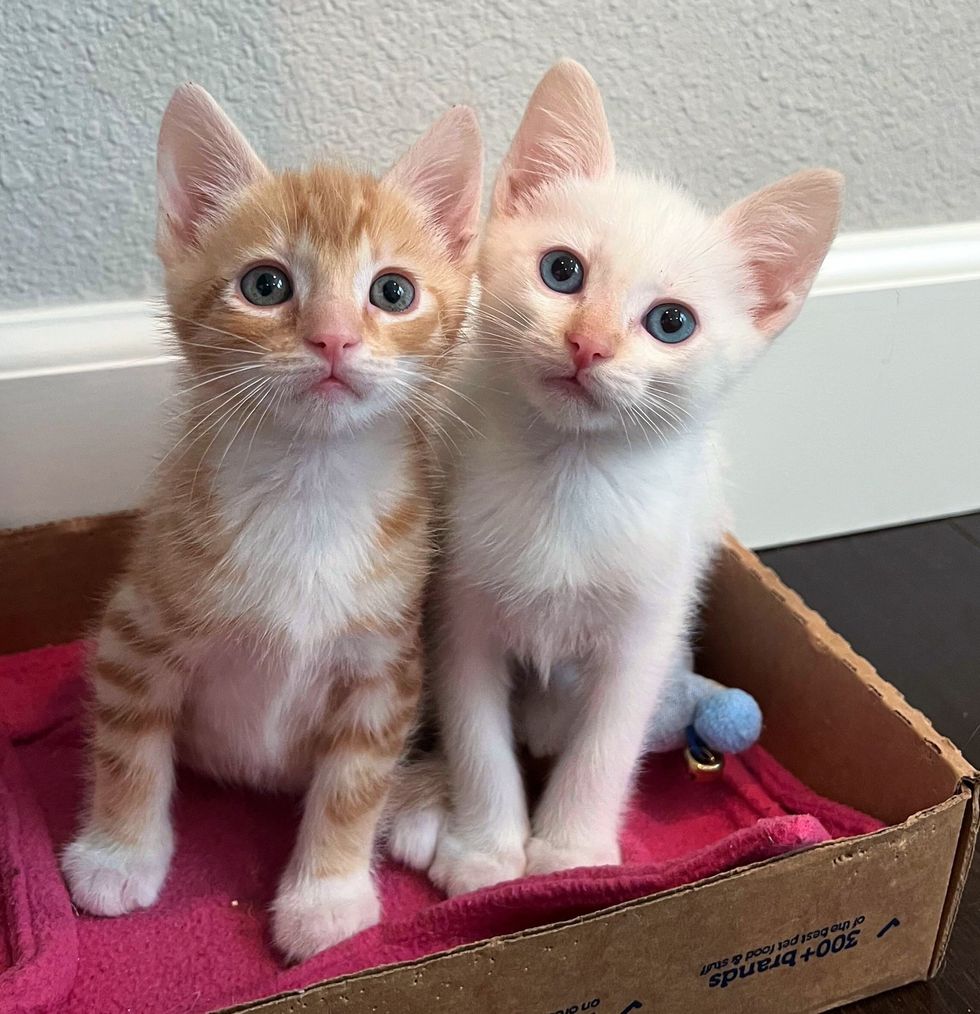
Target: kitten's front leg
[327, 892]
[578, 819]
[484, 839]
[120, 857]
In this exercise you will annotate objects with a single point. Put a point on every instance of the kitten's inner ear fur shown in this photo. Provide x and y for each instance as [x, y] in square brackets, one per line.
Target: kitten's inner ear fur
[784, 232]
[443, 172]
[564, 133]
[202, 162]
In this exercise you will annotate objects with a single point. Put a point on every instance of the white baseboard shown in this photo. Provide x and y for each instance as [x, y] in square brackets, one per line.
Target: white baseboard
[865, 413]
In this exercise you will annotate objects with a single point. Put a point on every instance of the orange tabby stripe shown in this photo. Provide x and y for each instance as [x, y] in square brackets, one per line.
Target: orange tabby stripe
[407, 674]
[402, 524]
[398, 523]
[343, 848]
[124, 677]
[348, 820]
[349, 815]
[127, 629]
[386, 626]
[405, 678]
[132, 719]
[121, 791]
[125, 778]
[382, 742]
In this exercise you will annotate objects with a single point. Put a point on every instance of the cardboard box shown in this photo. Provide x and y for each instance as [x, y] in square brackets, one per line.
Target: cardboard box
[803, 932]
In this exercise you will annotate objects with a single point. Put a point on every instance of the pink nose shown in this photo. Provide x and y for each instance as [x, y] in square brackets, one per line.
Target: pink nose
[332, 347]
[587, 350]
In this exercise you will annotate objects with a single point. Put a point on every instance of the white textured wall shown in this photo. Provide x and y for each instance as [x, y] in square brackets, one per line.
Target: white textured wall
[725, 94]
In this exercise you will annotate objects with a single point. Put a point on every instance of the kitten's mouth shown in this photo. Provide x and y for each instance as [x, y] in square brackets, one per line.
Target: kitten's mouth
[571, 386]
[332, 387]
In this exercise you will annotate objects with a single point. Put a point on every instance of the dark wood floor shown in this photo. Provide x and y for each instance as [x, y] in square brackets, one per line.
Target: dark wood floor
[908, 599]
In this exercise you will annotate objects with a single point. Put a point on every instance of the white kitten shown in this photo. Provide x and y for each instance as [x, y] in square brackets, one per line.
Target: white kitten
[613, 317]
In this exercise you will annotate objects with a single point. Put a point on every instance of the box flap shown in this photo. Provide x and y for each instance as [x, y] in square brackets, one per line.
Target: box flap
[830, 718]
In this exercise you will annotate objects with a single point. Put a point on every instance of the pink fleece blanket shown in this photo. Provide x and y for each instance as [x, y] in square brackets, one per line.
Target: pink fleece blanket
[204, 945]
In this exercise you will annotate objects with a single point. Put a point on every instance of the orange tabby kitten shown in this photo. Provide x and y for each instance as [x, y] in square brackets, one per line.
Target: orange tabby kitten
[266, 628]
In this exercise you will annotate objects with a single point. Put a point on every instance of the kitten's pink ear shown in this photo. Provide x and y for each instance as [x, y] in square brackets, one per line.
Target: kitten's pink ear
[784, 232]
[202, 162]
[563, 133]
[443, 172]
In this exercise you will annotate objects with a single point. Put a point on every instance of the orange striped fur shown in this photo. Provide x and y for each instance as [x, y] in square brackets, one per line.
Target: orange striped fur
[266, 629]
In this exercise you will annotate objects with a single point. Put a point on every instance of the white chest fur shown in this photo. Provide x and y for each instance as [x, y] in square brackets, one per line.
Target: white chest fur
[563, 531]
[305, 524]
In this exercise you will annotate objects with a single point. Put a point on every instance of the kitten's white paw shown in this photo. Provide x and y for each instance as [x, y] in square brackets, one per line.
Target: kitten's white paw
[545, 857]
[107, 878]
[414, 834]
[459, 868]
[311, 914]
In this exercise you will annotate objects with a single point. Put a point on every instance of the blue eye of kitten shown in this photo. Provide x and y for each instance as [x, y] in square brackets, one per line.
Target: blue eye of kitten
[391, 292]
[561, 271]
[266, 286]
[670, 323]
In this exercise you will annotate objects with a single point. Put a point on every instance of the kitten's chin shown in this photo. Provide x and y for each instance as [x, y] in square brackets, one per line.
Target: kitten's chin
[569, 405]
[334, 407]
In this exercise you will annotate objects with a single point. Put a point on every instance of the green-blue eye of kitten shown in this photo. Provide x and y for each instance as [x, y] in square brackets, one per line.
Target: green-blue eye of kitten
[391, 292]
[266, 286]
[670, 323]
[562, 271]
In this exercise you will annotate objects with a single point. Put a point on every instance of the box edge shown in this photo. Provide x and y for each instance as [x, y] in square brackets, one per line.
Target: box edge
[959, 875]
[820, 631]
[260, 1003]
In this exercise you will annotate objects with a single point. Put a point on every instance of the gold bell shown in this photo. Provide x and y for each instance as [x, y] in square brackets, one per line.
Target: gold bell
[703, 763]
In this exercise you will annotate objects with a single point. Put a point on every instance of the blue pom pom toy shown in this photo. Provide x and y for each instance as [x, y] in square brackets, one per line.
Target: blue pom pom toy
[728, 721]
[705, 718]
